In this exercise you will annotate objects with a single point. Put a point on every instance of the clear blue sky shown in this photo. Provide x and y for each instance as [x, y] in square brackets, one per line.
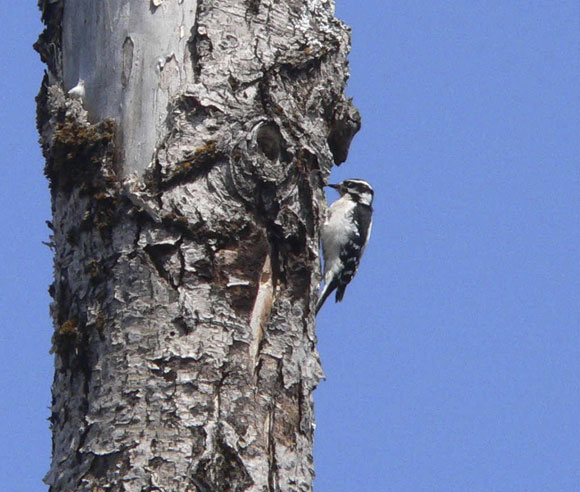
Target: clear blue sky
[454, 362]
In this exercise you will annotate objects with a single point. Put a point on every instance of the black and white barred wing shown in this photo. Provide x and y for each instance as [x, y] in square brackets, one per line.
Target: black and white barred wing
[353, 250]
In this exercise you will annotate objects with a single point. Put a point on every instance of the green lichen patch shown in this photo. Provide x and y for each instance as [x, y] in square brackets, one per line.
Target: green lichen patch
[193, 165]
[81, 155]
[66, 336]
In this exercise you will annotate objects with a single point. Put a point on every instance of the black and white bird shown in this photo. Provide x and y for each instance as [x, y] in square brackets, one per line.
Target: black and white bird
[344, 235]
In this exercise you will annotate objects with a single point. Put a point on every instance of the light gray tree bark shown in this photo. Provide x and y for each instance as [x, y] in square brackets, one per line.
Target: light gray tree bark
[186, 145]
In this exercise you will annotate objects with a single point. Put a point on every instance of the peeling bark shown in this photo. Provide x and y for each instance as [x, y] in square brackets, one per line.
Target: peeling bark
[186, 182]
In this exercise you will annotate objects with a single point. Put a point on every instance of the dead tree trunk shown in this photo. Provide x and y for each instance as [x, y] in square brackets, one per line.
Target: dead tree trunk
[186, 169]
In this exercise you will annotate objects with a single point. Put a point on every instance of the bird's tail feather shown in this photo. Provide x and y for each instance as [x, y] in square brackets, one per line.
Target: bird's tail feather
[340, 293]
[326, 291]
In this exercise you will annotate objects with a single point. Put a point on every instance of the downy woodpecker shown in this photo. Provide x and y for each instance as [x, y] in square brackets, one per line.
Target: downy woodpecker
[344, 235]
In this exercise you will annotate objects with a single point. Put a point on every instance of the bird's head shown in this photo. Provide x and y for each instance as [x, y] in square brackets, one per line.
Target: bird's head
[357, 190]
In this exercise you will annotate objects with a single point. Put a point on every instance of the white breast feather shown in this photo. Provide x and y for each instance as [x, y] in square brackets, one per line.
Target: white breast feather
[336, 231]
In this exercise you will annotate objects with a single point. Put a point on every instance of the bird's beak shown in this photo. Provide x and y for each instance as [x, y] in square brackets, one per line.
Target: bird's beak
[335, 186]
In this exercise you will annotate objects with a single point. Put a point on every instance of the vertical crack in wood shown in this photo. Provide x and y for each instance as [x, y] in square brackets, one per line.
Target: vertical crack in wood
[127, 68]
[261, 312]
[272, 465]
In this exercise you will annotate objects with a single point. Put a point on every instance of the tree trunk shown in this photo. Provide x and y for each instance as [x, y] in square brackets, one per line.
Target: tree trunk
[186, 169]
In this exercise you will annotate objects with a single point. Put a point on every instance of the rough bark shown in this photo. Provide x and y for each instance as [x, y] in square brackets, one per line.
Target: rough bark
[186, 184]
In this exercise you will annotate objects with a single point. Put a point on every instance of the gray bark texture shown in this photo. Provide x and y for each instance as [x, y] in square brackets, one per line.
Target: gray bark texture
[186, 168]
